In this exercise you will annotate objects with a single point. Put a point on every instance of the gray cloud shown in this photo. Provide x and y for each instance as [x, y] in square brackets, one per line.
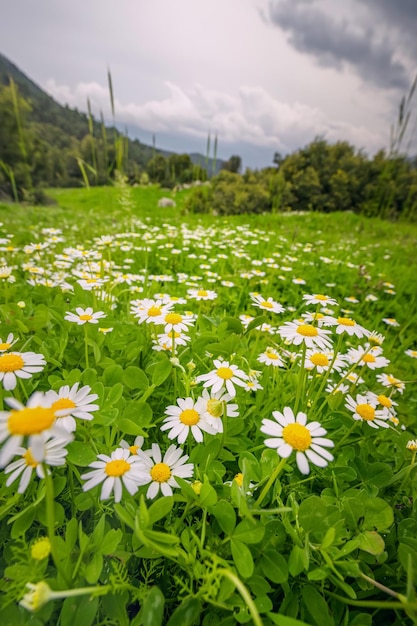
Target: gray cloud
[363, 43]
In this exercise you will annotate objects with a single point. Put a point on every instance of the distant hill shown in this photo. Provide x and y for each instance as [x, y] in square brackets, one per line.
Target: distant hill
[61, 135]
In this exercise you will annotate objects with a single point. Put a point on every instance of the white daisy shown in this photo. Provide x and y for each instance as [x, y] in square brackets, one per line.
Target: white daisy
[76, 402]
[150, 311]
[161, 472]
[346, 325]
[212, 407]
[271, 357]
[10, 341]
[178, 323]
[321, 361]
[84, 316]
[267, 304]
[370, 357]
[114, 471]
[27, 424]
[224, 375]
[183, 418]
[202, 294]
[318, 298]
[53, 453]
[412, 353]
[388, 380]
[364, 409]
[15, 365]
[390, 321]
[137, 444]
[290, 433]
[298, 332]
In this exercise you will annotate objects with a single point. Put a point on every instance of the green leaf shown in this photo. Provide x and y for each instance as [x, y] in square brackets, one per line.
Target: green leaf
[124, 516]
[153, 608]
[312, 514]
[114, 394]
[242, 558]
[80, 454]
[274, 566]
[80, 611]
[249, 531]
[24, 521]
[111, 541]
[93, 569]
[371, 541]
[316, 606]
[258, 321]
[135, 378]
[161, 371]
[225, 516]
[160, 509]
[378, 514]
[208, 495]
[284, 620]
[113, 374]
[129, 428]
[298, 560]
[186, 614]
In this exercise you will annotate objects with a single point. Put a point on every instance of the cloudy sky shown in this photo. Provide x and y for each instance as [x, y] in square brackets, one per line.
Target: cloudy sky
[265, 75]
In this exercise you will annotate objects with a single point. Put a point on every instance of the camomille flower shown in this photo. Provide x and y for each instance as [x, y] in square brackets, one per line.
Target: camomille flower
[319, 298]
[224, 375]
[6, 345]
[73, 402]
[84, 316]
[298, 332]
[268, 304]
[54, 453]
[27, 423]
[290, 433]
[121, 468]
[213, 406]
[15, 365]
[364, 409]
[161, 472]
[183, 418]
[346, 325]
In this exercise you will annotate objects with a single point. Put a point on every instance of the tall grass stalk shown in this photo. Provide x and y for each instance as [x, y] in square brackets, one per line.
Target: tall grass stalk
[93, 140]
[20, 131]
[9, 172]
[213, 165]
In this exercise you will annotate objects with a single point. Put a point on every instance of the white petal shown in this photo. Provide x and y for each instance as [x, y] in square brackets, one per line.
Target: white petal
[302, 463]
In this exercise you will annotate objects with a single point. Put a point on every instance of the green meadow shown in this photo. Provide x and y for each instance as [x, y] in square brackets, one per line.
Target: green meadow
[206, 420]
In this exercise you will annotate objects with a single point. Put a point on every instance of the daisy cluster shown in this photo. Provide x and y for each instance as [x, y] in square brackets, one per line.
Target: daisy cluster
[335, 355]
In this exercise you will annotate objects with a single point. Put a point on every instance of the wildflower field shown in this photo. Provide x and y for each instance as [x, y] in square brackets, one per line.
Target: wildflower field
[206, 421]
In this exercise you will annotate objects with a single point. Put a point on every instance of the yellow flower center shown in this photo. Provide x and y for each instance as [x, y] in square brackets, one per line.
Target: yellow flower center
[30, 421]
[391, 379]
[307, 331]
[366, 412]
[117, 467]
[173, 318]
[134, 449]
[189, 417]
[267, 305]
[86, 317]
[154, 311]
[272, 355]
[297, 436]
[239, 479]
[319, 359]
[202, 292]
[215, 407]
[320, 296]
[30, 461]
[368, 358]
[385, 401]
[5, 346]
[224, 372]
[160, 472]
[63, 403]
[40, 549]
[11, 362]
[345, 321]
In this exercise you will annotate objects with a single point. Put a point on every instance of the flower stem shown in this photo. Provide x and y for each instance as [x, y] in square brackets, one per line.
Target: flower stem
[270, 482]
[50, 520]
[86, 346]
[244, 593]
